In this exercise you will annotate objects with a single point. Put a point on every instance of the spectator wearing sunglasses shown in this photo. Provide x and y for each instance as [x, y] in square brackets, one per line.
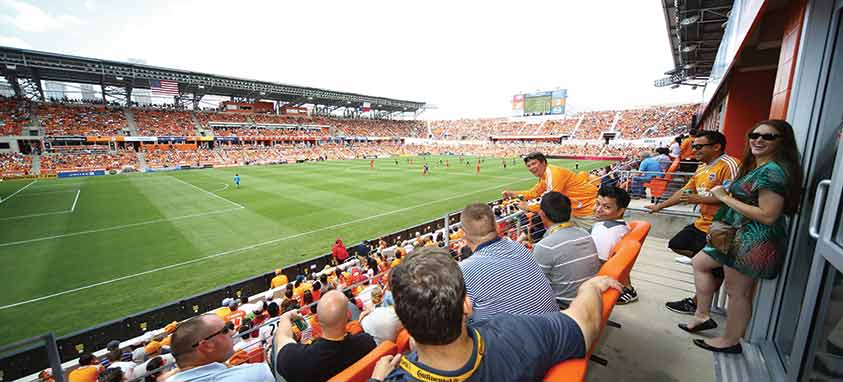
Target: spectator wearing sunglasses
[716, 168]
[756, 205]
[201, 346]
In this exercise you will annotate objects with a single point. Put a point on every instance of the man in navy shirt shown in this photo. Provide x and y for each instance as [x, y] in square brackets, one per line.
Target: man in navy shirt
[432, 304]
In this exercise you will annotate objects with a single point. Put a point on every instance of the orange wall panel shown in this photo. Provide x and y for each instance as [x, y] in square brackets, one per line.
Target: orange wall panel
[750, 97]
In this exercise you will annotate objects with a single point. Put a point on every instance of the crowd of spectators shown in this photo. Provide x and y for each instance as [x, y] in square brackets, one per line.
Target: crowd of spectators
[253, 132]
[79, 160]
[15, 164]
[91, 120]
[14, 115]
[655, 121]
[153, 122]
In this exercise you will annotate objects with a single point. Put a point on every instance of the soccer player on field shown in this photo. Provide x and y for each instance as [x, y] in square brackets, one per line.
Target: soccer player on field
[371, 163]
[426, 169]
[237, 180]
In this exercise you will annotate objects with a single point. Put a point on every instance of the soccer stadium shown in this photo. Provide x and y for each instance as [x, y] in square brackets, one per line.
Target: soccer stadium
[179, 223]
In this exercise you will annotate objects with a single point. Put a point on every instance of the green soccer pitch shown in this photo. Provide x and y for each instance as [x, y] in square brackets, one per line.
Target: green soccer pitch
[78, 252]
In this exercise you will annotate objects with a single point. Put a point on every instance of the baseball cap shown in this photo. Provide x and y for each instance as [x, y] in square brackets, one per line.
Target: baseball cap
[227, 301]
[113, 344]
[138, 355]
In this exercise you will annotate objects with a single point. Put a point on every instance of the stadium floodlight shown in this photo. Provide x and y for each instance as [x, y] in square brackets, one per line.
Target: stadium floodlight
[689, 49]
[689, 20]
[11, 67]
[263, 93]
[201, 86]
[118, 78]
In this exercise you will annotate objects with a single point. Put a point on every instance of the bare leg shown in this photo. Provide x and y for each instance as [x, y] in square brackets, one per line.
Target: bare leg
[706, 285]
[739, 308]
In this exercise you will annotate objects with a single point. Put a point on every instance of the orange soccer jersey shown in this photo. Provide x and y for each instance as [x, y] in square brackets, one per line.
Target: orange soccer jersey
[707, 177]
[582, 193]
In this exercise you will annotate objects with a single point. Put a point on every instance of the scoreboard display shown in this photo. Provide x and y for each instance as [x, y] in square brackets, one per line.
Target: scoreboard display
[537, 103]
[540, 103]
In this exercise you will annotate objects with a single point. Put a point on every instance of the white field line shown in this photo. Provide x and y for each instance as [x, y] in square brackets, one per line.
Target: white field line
[16, 192]
[208, 192]
[117, 227]
[76, 199]
[249, 247]
[47, 192]
[35, 215]
[222, 189]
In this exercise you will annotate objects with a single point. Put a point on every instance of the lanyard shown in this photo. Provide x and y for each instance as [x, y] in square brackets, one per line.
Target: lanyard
[559, 226]
[426, 376]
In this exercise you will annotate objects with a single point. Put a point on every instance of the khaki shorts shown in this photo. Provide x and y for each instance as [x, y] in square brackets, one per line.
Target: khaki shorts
[584, 222]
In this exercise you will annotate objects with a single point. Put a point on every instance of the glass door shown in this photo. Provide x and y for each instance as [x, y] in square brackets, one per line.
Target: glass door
[821, 326]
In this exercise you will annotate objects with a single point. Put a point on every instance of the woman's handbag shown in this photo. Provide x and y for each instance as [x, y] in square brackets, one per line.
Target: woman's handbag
[721, 236]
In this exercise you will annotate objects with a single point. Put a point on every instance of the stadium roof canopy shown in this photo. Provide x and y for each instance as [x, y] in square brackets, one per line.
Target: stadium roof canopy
[695, 29]
[114, 76]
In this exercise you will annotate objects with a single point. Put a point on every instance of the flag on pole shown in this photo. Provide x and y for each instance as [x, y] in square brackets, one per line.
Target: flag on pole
[164, 87]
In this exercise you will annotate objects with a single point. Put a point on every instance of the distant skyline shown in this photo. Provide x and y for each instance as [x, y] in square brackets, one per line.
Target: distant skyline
[466, 58]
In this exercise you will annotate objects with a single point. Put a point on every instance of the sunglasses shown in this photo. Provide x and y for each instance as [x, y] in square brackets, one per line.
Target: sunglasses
[765, 136]
[699, 146]
[227, 328]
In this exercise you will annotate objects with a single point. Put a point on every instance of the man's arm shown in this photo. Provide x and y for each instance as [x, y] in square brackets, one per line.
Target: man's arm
[284, 329]
[534, 192]
[587, 308]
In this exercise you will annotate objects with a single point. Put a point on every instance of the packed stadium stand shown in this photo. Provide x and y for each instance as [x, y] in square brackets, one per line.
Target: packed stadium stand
[82, 161]
[97, 120]
[15, 164]
[153, 122]
[14, 114]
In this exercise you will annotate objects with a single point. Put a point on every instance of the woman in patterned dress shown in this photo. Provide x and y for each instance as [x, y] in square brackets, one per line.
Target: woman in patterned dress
[756, 203]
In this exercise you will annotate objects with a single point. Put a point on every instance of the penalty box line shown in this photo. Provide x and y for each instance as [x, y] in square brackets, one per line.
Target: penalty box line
[72, 208]
[252, 246]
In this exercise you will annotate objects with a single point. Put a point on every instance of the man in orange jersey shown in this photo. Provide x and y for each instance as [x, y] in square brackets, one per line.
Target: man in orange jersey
[716, 168]
[279, 280]
[579, 190]
[88, 371]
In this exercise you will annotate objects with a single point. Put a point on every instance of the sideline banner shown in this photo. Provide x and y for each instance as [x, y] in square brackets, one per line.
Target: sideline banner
[73, 174]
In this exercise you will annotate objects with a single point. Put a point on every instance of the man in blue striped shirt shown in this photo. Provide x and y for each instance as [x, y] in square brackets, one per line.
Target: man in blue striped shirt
[501, 275]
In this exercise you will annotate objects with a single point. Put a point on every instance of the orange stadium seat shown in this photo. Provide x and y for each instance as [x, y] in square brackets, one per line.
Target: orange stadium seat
[658, 185]
[361, 370]
[618, 267]
[402, 342]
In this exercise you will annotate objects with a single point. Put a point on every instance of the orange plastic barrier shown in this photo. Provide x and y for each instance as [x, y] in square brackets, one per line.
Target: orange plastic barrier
[361, 370]
[618, 267]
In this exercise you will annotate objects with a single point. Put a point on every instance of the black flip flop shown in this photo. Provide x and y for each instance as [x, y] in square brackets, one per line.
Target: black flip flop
[734, 349]
[708, 324]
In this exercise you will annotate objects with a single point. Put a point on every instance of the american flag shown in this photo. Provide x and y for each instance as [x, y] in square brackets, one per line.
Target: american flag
[164, 87]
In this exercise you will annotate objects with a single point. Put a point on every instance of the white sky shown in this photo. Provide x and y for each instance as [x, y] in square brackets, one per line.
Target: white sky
[468, 58]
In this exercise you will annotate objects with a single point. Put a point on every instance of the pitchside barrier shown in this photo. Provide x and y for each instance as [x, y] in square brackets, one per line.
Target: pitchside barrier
[30, 356]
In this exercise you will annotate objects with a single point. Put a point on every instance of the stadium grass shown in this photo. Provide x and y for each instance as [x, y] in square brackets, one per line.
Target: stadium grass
[121, 226]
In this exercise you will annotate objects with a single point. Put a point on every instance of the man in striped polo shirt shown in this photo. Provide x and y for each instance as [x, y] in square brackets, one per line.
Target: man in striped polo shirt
[501, 275]
[567, 254]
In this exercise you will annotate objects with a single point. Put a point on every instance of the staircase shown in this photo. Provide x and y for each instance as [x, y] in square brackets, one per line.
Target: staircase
[130, 119]
[199, 128]
[142, 160]
[36, 165]
[577, 127]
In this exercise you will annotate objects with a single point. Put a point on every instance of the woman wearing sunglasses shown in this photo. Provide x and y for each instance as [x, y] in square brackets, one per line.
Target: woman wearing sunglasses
[750, 240]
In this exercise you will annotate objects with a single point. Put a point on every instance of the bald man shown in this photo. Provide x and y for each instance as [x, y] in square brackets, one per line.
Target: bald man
[201, 346]
[328, 355]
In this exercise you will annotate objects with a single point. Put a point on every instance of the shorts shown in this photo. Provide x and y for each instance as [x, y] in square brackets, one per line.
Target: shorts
[585, 222]
[692, 239]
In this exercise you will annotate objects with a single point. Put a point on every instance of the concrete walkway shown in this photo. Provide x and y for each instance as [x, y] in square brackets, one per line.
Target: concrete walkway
[650, 347]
